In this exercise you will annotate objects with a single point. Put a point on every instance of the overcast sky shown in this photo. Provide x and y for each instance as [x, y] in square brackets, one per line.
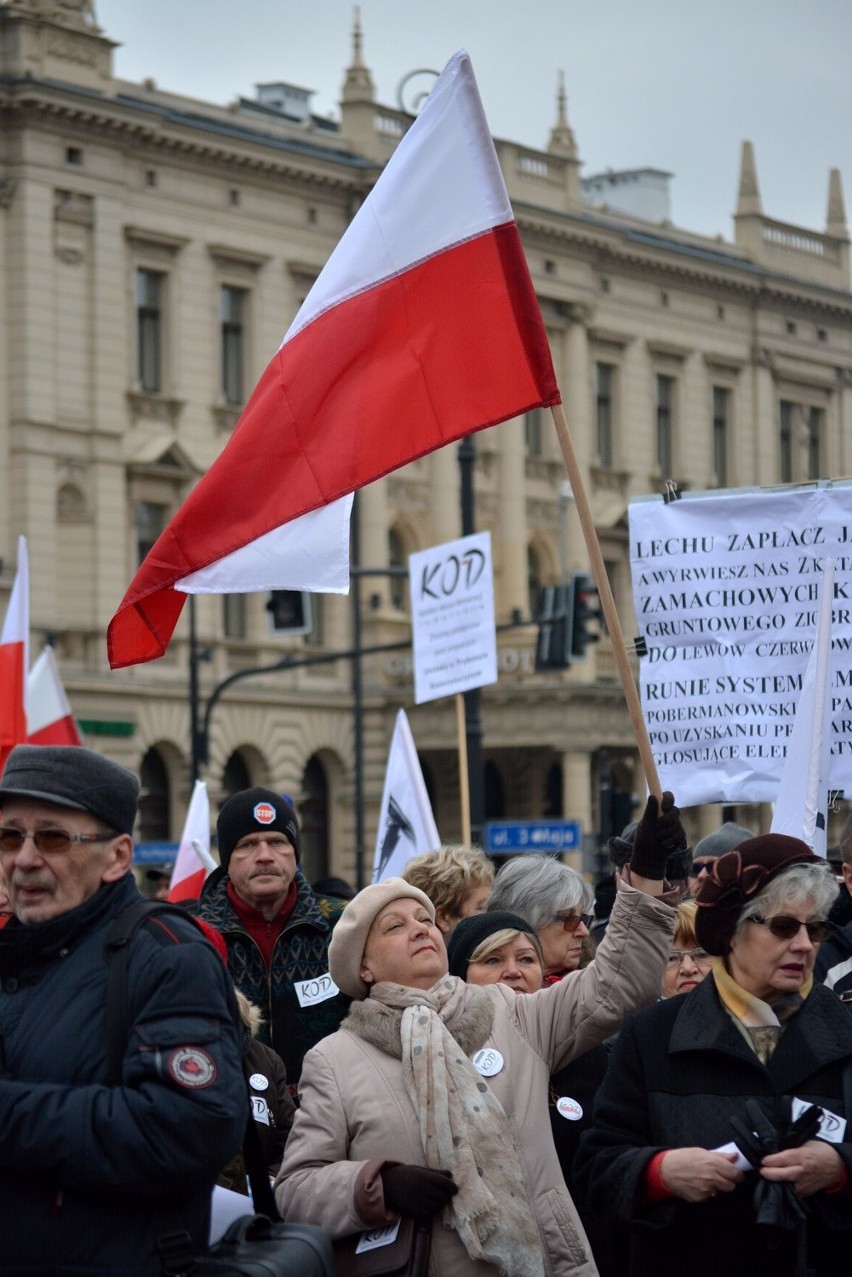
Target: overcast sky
[670, 84]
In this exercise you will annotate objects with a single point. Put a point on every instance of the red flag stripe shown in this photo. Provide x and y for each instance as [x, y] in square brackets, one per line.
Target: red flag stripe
[444, 349]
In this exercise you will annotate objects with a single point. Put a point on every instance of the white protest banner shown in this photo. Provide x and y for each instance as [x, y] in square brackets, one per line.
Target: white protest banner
[452, 617]
[726, 588]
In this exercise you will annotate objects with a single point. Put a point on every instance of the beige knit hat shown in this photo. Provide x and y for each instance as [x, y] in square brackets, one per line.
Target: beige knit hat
[349, 938]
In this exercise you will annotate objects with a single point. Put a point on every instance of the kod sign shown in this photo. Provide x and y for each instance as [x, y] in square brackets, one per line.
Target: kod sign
[504, 837]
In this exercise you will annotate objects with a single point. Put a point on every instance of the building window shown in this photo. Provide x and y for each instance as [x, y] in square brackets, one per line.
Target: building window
[604, 382]
[232, 308]
[154, 798]
[74, 156]
[151, 519]
[813, 424]
[149, 330]
[785, 441]
[234, 616]
[534, 582]
[665, 408]
[235, 776]
[397, 558]
[532, 432]
[314, 818]
[721, 417]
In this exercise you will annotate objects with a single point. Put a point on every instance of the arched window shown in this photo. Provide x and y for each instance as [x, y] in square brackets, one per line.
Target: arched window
[314, 820]
[235, 776]
[154, 798]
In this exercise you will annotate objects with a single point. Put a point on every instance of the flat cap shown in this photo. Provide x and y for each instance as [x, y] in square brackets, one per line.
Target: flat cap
[71, 776]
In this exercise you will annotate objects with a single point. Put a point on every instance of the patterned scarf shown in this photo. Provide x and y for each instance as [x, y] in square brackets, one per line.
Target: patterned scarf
[464, 1129]
[760, 1024]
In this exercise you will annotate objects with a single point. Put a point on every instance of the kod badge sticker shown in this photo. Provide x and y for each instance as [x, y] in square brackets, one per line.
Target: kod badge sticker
[258, 1082]
[487, 1062]
[568, 1108]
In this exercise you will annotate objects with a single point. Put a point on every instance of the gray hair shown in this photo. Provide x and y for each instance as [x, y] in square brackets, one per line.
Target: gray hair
[537, 888]
[809, 886]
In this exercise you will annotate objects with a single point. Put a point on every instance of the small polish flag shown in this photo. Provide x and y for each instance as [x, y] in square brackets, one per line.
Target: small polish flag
[422, 328]
[194, 861]
[14, 660]
[49, 717]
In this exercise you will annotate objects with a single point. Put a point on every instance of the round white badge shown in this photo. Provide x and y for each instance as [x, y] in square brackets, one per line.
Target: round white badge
[487, 1062]
[568, 1108]
[258, 1082]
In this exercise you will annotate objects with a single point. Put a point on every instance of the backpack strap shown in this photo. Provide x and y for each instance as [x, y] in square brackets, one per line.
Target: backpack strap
[116, 954]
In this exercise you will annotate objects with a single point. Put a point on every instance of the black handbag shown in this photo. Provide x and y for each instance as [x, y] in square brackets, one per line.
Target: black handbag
[255, 1247]
[375, 1253]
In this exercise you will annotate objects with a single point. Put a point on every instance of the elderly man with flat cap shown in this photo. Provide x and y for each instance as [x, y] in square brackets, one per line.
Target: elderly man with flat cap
[277, 930]
[94, 1171]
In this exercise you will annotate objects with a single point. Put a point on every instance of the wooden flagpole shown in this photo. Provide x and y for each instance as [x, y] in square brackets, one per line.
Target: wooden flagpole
[613, 624]
[464, 780]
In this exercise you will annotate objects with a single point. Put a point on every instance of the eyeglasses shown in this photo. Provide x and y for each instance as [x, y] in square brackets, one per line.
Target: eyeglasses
[48, 842]
[571, 921]
[785, 928]
[698, 956]
[698, 865]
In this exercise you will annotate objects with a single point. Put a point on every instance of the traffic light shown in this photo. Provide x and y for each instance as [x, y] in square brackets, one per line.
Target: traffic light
[290, 612]
[586, 612]
[553, 647]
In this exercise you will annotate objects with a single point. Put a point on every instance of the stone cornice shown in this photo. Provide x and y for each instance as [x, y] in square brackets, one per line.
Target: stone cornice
[609, 249]
[184, 139]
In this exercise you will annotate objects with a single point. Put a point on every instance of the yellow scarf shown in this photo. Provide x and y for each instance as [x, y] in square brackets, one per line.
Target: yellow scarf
[760, 1023]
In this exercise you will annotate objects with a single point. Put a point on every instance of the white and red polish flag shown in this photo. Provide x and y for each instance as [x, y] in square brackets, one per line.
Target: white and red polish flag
[422, 328]
[194, 861]
[14, 659]
[49, 717]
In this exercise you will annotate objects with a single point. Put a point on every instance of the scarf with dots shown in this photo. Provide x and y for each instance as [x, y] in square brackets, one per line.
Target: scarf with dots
[464, 1129]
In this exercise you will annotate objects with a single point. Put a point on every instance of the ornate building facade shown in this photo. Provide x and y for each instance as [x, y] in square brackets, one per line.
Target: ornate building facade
[154, 249]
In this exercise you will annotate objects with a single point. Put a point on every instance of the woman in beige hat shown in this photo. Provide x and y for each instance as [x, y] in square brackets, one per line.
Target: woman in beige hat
[431, 1099]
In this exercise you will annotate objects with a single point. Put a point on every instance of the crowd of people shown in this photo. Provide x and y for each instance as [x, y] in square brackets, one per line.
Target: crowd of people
[664, 1087]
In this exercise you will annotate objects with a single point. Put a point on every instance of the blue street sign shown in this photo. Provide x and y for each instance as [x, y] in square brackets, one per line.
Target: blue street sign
[155, 853]
[503, 837]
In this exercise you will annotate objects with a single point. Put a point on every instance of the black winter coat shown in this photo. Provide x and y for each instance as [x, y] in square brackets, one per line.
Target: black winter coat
[678, 1072]
[84, 1167]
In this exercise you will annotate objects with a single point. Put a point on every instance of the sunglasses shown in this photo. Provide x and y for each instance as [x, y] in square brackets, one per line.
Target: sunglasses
[677, 956]
[698, 865]
[573, 920]
[785, 928]
[49, 842]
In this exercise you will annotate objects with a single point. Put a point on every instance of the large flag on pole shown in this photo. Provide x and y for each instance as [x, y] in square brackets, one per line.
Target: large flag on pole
[194, 861]
[422, 328]
[14, 659]
[801, 809]
[49, 717]
[406, 824]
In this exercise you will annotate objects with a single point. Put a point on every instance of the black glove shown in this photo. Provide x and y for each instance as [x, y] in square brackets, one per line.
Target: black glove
[656, 838]
[416, 1190]
[776, 1204]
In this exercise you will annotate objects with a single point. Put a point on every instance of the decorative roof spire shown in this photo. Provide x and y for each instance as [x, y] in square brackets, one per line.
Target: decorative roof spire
[748, 200]
[562, 140]
[835, 222]
[358, 85]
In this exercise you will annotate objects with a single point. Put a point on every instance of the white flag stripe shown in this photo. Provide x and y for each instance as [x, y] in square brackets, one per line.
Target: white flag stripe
[801, 807]
[406, 824]
[46, 699]
[309, 553]
[397, 227]
[16, 626]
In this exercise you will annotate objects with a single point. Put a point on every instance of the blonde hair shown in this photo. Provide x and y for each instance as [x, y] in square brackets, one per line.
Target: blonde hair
[684, 932]
[448, 875]
[498, 938]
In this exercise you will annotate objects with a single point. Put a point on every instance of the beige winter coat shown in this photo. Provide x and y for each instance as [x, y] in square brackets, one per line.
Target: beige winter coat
[355, 1114]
